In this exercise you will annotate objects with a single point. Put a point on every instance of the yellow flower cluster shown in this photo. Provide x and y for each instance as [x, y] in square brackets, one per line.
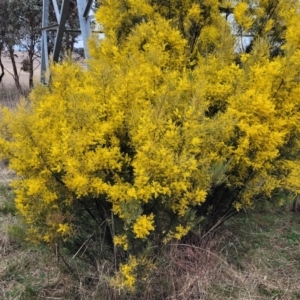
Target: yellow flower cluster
[143, 225]
[242, 15]
[126, 277]
[180, 231]
[122, 241]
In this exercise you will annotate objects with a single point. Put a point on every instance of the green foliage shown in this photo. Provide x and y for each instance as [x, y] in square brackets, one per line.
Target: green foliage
[163, 134]
[7, 205]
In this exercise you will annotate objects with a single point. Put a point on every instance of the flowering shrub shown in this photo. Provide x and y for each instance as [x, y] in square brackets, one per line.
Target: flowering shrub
[167, 130]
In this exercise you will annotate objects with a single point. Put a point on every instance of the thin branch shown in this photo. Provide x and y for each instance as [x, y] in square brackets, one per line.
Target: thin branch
[85, 242]
[67, 265]
[9, 72]
[279, 87]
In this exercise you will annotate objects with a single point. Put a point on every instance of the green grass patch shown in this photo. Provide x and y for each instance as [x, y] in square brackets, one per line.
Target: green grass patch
[262, 248]
[7, 205]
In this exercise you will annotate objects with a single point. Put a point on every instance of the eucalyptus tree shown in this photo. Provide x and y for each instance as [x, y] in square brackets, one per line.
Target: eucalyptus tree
[27, 16]
[9, 37]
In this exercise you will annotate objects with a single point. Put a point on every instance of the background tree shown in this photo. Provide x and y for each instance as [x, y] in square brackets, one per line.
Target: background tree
[21, 27]
[9, 38]
[168, 133]
[1, 64]
[27, 18]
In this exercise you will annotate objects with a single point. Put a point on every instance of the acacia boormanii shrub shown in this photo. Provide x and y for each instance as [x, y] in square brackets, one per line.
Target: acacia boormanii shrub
[169, 130]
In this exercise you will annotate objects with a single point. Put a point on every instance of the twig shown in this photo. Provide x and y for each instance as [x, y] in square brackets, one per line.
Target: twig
[86, 241]
[68, 266]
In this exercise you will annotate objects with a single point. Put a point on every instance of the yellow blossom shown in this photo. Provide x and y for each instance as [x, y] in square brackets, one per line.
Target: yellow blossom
[143, 225]
[64, 229]
[121, 241]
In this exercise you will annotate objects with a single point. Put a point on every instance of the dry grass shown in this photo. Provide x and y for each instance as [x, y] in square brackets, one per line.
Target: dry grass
[263, 249]
[10, 96]
[8, 80]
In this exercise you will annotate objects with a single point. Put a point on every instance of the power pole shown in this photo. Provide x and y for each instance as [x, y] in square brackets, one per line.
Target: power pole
[55, 32]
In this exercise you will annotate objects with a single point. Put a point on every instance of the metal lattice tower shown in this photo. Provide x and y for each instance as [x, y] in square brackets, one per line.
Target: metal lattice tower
[55, 32]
